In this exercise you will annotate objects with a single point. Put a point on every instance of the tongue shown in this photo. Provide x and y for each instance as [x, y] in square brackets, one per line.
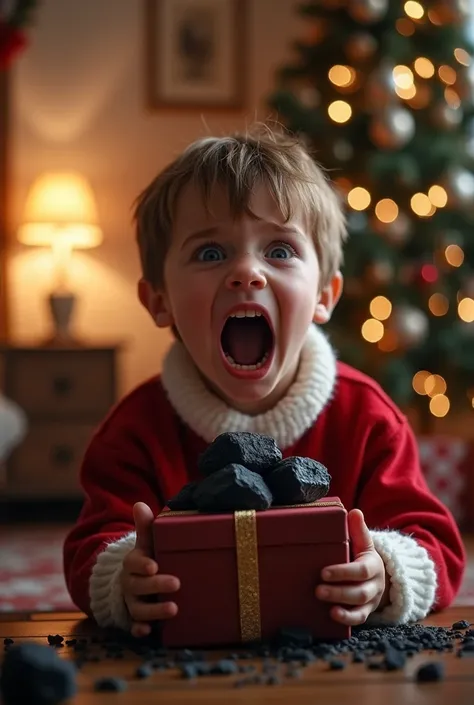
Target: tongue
[245, 340]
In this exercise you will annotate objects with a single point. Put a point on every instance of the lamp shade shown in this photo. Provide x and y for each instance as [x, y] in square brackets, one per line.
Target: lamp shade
[60, 207]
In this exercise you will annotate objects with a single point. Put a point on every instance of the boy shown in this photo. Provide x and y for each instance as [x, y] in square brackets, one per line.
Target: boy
[240, 241]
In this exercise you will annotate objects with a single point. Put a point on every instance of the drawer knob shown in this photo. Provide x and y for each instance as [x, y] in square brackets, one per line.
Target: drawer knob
[62, 454]
[62, 386]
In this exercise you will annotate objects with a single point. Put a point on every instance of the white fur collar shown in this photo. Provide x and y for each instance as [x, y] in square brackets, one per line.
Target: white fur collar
[208, 416]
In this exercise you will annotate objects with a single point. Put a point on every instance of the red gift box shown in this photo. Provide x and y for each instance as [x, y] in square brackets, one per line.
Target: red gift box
[245, 575]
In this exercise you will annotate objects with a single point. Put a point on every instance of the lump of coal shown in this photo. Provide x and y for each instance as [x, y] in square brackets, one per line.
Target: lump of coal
[184, 500]
[298, 480]
[33, 673]
[232, 489]
[428, 672]
[253, 451]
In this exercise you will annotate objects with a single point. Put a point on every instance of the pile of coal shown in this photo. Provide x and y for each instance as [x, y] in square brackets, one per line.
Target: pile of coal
[33, 673]
[375, 648]
[246, 471]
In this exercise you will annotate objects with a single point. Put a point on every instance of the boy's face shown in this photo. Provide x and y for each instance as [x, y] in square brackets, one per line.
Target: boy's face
[242, 294]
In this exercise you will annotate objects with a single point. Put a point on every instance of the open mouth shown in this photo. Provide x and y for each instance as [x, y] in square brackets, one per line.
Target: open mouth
[247, 340]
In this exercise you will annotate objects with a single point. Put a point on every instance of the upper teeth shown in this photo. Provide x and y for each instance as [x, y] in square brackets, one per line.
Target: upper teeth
[245, 314]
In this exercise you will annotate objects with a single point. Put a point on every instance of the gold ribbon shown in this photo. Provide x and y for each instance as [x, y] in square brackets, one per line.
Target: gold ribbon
[246, 544]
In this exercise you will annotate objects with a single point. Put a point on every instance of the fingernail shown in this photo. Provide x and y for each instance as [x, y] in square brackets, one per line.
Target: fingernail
[323, 592]
[327, 574]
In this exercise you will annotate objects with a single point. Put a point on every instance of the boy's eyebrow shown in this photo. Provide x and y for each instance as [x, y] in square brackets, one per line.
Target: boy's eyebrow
[211, 231]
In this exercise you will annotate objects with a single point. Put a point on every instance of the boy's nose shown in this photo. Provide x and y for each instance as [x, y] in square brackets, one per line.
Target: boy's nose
[244, 276]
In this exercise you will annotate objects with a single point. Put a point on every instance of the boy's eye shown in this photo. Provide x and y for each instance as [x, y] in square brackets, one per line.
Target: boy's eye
[210, 253]
[281, 251]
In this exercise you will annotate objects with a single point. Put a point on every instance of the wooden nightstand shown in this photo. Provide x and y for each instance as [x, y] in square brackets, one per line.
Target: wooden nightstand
[65, 393]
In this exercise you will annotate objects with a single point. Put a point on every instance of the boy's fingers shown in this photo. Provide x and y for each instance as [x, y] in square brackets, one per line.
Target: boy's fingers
[357, 571]
[138, 564]
[347, 594]
[143, 518]
[140, 629]
[138, 585]
[151, 611]
[359, 533]
[351, 618]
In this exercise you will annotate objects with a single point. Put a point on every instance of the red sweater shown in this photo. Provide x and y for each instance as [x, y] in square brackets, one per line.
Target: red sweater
[145, 452]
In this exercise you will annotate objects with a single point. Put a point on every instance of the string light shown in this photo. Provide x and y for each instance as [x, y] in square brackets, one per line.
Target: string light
[372, 330]
[403, 76]
[342, 76]
[359, 198]
[380, 308]
[462, 57]
[435, 384]
[466, 310]
[405, 27]
[439, 405]
[452, 98]
[406, 93]
[386, 210]
[389, 342]
[422, 97]
[454, 255]
[447, 74]
[438, 304]
[424, 67]
[421, 205]
[429, 273]
[434, 18]
[340, 111]
[419, 380]
[438, 196]
[414, 10]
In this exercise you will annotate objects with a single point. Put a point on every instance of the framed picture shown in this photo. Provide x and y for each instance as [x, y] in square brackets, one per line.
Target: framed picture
[3, 201]
[195, 53]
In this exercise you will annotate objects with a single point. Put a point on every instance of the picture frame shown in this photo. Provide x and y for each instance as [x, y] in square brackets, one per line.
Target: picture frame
[4, 125]
[195, 54]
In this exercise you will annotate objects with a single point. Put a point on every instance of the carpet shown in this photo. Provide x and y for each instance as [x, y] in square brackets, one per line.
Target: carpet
[31, 572]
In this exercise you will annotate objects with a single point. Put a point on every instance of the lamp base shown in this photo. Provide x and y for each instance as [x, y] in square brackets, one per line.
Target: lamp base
[61, 307]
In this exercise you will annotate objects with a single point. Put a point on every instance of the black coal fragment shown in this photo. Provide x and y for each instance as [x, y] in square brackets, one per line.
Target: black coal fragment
[297, 480]
[8, 641]
[34, 673]
[252, 450]
[462, 624]
[145, 670]
[336, 664]
[295, 636]
[55, 639]
[224, 667]
[231, 489]
[184, 500]
[110, 684]
[428, 672]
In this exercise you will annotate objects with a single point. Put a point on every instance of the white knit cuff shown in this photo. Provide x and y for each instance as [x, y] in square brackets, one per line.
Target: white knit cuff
[412, 576]
[105, 591]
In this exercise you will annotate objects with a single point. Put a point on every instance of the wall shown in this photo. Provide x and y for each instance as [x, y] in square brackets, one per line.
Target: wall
[78, 102]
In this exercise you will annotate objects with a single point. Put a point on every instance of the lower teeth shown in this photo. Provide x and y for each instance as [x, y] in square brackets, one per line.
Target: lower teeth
[236, 365]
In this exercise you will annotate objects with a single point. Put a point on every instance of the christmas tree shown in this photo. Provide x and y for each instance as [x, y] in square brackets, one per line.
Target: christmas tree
[382, 92]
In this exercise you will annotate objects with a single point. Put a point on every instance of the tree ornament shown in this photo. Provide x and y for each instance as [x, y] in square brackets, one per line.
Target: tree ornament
[380, 87]
[380, 272]
[368, 11]
[308, 96]
[445, 117]
[393, 128]
[343, 150]
[459, 184]
[399, 231]
[361, 47]
[410, 324]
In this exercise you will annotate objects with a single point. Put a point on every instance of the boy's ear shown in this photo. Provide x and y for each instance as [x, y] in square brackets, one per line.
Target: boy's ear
[328, 299]
[156, 303]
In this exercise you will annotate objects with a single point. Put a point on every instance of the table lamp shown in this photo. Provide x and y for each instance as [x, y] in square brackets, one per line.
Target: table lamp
[60, 213]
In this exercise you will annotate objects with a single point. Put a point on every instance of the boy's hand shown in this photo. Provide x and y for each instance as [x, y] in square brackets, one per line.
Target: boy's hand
[363, 586]
[140, 578]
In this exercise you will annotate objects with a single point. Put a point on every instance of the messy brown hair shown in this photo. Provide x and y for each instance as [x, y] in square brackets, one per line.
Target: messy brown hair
[241, 162]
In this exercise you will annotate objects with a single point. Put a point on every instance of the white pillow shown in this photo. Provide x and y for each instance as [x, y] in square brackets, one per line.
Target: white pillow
[13, 426]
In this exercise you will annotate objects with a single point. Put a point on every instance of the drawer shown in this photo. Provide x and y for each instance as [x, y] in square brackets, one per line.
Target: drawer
[56, 383]
[47, 463]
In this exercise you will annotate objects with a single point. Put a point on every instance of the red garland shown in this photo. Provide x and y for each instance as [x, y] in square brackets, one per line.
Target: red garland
[12, 41]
